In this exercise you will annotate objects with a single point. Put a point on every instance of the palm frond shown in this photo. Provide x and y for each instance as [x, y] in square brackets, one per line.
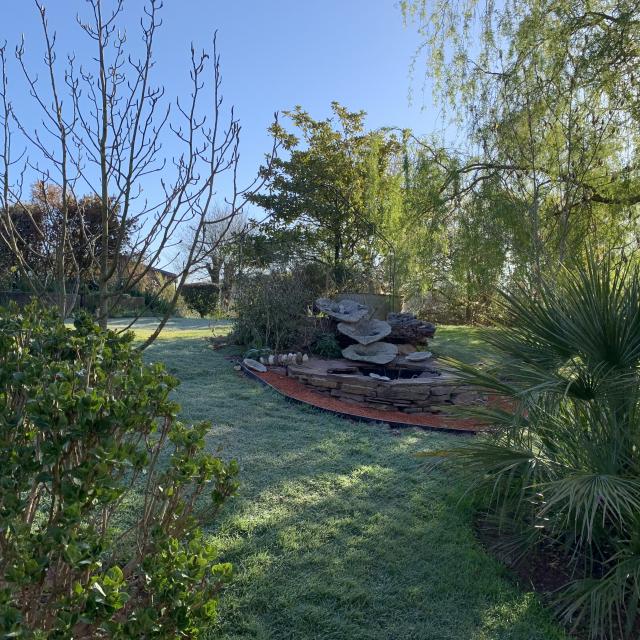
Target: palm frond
[563, 460]
[608, 605]
[582, 499]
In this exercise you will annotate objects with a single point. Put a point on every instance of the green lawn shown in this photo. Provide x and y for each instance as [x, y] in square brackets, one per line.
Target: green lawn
[337, 531]
[462, 343]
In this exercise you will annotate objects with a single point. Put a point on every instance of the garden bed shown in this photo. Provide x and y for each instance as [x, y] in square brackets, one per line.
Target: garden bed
[295, 390]
[407, 387]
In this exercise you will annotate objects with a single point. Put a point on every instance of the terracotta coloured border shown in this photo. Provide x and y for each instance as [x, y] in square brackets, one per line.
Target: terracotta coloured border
[296, 392]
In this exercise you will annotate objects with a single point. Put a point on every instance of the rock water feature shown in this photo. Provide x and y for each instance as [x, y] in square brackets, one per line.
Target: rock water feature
[377, 373]
[385, 364]
[357, 323]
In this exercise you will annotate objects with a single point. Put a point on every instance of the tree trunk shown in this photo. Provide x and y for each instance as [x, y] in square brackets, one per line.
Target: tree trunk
[104, 183]
[338, 271]
[226, 287]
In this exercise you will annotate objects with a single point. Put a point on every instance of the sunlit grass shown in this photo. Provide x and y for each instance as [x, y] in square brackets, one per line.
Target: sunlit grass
[176, 328]
[467, 344]
[338, 532]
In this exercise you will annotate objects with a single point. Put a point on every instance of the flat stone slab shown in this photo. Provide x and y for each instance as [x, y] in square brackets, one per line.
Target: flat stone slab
[345, 310]
[365, 331]
[254, 364]
[376, 353]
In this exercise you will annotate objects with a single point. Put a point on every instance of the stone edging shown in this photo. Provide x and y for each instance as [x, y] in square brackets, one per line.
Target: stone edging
[393, 424]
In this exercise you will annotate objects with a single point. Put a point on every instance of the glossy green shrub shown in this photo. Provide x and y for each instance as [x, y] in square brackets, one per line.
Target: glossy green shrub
[102, 489]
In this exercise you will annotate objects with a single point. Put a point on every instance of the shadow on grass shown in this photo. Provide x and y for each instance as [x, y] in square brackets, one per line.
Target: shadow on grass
[337, 531]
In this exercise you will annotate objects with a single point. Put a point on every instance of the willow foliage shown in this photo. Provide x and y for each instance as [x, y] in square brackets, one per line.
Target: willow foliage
[548, 91]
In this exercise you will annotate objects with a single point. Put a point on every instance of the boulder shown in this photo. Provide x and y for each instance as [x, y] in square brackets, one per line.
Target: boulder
[365, 331]
[405, 327]
[345, 310]
[376, 352]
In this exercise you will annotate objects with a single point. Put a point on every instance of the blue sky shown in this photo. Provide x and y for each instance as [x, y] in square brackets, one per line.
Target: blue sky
[274, 55]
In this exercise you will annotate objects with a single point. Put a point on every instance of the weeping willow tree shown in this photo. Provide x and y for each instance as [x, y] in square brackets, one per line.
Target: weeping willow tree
[455, 247]
[548, 93]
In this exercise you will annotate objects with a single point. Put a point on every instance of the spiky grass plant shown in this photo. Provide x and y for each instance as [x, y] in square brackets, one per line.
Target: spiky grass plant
[562, 466]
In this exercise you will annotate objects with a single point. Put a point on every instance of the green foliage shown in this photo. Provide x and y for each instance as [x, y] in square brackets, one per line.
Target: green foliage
[329, 198]
[385, 215]
[453, 253]
[326, 345]
[563, 467]
[201, 297]
[544, 90]
[273, 310]
[102, 489]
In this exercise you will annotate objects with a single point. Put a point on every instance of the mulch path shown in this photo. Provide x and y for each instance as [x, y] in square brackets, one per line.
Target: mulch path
[296, 390]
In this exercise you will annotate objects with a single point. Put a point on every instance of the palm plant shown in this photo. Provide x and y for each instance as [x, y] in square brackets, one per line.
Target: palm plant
[562, 465]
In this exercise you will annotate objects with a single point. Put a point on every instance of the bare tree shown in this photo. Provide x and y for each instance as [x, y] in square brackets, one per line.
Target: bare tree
[219, 246]
[104, 125]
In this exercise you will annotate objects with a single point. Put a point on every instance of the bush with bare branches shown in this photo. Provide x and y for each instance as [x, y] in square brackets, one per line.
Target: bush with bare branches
[103, 133]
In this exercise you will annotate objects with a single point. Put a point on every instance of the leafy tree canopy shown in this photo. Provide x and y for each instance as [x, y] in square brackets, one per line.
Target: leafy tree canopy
[549, 93]
[331, 189]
